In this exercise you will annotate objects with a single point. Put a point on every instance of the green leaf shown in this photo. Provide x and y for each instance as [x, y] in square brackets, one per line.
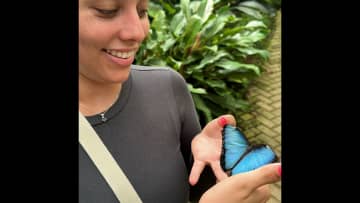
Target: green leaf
[251, 51]
[201, 106]
[216, 1]
[191, 59]
[250, 11]
[159, 23]
[184, 4]
[213, 49]
[246, 39]
[205, 10]
[222, 91]
[238, 40]
[209, 59]
[168, 44]
[228, 101]
[191, 30]
[255, 24]
[170, 9]
[216, 83]
[216, 23]
[232, 31]
[237, 80]
[196, 90]
[198, 76]
[241, 78]
[155, 61]
[231, 66]
[151, 44]
[254, 5]
[153, 9]
[194, 7]
[256, 36]
[174, 63]
[177, 24]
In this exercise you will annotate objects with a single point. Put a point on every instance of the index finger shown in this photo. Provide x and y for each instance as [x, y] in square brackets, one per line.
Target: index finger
[217, 124]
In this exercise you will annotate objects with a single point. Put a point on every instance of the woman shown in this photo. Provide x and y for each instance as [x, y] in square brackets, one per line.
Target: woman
[145, 116]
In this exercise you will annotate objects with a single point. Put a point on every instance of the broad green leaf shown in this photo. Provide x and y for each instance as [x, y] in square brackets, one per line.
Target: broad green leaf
[169, 8]
[211, 59]
[231, 66]
[244, 39]
[151, 44]
[255, 5]
[213, 49]
[256, 36]
[154, 9]
[177, 24]
[238, 40]
[221, 91]
[168, 44]
[192, 58]
[228, 101]
[156, 62]
[255, 24]
[196, 90]
[232, 31]
[159, 22]
[199, 77]
[216, 23]
[250, 11]
[184, 4]
[201, 106]
[216, 83]
[174, 63]
[191, 30]
[216, 1]
[237, 80]
[205, 10]
[251, 51]
[241, 78]
[194, 7]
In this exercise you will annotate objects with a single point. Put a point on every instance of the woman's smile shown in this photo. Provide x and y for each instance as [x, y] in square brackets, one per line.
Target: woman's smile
[122, 58]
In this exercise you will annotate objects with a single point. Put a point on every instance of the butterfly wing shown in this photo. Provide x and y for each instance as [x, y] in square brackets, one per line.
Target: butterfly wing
[256, 157]
[235, 145]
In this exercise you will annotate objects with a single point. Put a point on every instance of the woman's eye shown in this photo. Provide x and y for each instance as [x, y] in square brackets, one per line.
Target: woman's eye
[106, 13]
[143, 13]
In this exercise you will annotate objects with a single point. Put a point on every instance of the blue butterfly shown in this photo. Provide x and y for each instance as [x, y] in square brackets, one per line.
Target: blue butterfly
[239, 156]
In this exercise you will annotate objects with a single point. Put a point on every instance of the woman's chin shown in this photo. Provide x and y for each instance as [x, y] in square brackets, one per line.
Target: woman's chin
[120, 76]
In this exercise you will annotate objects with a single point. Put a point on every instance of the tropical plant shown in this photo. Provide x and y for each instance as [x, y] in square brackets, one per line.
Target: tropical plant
[217, 48]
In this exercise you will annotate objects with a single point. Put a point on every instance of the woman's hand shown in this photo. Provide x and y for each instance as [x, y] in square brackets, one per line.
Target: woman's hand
[249, 187]
[206, 148]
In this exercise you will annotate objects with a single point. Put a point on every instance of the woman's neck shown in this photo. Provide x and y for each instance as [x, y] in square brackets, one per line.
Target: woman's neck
[95, 98]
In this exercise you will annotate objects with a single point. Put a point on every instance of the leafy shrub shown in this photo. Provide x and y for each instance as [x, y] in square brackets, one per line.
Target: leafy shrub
[216, 46]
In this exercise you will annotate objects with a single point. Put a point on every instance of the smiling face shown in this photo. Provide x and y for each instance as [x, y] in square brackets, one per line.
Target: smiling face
[110, 33]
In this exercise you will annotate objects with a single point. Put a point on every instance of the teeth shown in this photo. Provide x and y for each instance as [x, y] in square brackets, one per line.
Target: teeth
[119, 54]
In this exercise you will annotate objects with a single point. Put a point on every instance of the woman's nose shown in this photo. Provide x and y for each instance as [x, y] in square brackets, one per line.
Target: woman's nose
[133, 27]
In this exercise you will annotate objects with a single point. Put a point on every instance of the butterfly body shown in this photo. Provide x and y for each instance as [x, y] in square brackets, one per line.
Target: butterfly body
[240, 156]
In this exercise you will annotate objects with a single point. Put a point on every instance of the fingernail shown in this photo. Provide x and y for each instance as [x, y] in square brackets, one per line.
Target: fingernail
[279, 170]
[222, 121]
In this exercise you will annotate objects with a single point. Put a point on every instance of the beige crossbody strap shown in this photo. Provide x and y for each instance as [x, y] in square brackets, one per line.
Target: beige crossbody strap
[106, 164]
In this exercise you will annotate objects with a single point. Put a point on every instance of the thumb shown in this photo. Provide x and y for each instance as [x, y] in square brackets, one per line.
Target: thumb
[217, 124]
[267, 174]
